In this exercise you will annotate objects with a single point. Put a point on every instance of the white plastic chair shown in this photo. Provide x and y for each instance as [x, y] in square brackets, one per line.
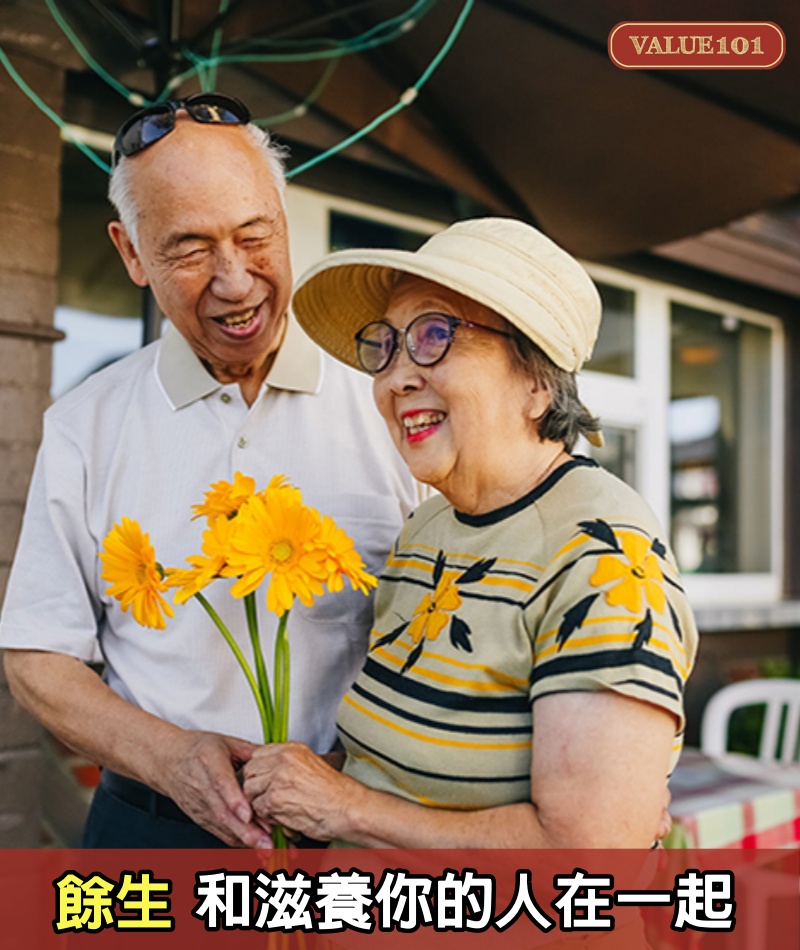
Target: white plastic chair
[782, 700]
[777, 695]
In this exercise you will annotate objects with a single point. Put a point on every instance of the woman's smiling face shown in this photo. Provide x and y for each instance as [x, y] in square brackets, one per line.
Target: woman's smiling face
[462, 424]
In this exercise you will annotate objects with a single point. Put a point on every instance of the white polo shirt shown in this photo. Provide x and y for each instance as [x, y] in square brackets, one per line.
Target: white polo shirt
[145, 438]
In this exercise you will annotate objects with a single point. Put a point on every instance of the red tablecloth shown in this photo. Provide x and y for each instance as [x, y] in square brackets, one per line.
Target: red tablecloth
[733, 802]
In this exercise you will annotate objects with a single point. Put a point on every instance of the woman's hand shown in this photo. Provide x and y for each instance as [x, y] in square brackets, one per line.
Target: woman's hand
[289, 785]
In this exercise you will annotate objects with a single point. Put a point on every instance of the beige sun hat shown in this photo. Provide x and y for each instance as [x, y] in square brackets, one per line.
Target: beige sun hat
[504, 264]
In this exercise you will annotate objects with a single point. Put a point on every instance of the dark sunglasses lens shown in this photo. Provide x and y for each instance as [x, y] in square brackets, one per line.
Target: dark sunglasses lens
[220, 109]
[429, 338]
[376, 345]
[154, 123]
[155, 127]
[145, 129]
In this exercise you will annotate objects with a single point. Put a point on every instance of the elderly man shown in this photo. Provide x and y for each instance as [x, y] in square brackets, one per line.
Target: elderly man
[233, 386]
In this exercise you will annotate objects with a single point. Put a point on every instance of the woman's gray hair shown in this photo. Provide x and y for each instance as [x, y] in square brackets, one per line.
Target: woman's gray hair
[566, 417]
[120, 193]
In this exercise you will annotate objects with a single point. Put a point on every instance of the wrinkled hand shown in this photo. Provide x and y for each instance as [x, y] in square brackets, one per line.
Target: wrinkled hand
[289, 785]
[200, 777]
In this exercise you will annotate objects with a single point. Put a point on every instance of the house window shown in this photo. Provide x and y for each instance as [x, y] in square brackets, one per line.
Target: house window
[689, 391]
[614, 351]
[92, 341]
[320, 223]
[350, 230]
[618, 452]
[720, 430]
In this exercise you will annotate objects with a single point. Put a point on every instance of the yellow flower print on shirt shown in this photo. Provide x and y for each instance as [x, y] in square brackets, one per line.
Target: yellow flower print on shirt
[635, 572]
[432, 614]
[437, 610]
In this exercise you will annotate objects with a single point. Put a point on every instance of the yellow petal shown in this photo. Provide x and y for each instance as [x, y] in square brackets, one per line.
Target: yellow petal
[610, 567]
[450, 599]
[627, 593]
[655, 595]
[636, 546]
[436, 623]
[652, 570]
[416, 629]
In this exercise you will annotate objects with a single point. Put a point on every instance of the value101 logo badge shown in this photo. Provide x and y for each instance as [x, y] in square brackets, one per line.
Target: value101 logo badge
[697, 45]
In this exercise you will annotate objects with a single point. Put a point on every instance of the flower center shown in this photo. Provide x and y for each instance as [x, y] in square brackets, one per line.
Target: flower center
[141, 573]
[638, 572]
[282, 550]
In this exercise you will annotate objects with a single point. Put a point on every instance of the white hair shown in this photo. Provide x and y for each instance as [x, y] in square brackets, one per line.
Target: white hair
[120, 193]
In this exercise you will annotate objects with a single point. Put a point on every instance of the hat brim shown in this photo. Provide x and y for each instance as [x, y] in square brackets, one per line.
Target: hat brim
[349, 289]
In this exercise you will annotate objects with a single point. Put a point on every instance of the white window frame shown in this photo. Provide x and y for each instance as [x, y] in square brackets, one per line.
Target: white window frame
[641, 402]
[309, 222]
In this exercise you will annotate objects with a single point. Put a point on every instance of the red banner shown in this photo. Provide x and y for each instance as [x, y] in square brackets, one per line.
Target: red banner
[404, 899]
[697, 45]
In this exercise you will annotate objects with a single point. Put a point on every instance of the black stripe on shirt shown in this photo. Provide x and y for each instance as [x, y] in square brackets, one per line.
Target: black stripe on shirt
[646, 684]
[405, 685]
[435, 775]
[500, 729]
[605, 659]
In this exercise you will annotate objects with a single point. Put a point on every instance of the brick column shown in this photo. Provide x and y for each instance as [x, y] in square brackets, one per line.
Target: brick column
[30, 154]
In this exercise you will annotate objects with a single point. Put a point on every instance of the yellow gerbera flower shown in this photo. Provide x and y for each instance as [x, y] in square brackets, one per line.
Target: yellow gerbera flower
[432, 613]
[205, 567]
[342, 560]
[275, 533]
[637, 575]
[129, 564]
[282, 483]
[224, 499]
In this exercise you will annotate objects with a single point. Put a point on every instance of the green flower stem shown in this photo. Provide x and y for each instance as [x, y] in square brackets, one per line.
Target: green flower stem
[260, 687]
[279, 686]
[278, 836]
[281, 707]
[261, 669]
[262, 709]
[282, 680]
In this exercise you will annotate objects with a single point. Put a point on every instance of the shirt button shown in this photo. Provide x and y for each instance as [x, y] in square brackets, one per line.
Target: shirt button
[242, 443]
[225, 397]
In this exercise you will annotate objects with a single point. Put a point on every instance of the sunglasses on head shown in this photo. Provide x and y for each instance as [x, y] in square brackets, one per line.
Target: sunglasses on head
[150, 125]
[427, 339]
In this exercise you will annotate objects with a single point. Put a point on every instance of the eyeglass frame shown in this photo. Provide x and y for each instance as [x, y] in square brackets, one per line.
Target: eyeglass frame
[171, 107]
[399, 334]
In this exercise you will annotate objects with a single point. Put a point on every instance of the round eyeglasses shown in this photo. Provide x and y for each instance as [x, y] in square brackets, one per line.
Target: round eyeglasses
[148, 126]
[427, 339]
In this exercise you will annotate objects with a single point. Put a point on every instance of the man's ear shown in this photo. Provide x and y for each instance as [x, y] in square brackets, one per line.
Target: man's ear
[128, 253]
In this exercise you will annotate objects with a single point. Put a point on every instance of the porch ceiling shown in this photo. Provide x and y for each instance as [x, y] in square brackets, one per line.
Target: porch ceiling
[526, 115]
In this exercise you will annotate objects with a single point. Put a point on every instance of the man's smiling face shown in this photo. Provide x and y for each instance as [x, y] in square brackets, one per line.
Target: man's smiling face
[212, 245]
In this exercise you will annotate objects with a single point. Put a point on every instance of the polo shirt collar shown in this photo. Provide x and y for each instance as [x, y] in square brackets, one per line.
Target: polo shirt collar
[184, 379]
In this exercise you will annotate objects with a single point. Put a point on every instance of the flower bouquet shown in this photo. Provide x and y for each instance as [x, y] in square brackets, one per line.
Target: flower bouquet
[251, 536]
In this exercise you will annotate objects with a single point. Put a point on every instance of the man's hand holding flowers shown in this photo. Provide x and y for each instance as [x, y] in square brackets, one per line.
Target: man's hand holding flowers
[252, 536]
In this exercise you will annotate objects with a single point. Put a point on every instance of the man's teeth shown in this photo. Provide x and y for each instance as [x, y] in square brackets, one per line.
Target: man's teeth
[237, 319]
[422, 420]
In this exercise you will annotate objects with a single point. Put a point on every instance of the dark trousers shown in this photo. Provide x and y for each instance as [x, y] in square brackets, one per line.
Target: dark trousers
[127, 814]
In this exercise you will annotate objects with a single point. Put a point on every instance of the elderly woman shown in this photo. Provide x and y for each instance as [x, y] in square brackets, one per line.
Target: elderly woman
[524, 681]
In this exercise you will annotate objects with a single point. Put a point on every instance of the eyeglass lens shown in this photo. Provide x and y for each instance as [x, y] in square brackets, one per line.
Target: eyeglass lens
[427, 339]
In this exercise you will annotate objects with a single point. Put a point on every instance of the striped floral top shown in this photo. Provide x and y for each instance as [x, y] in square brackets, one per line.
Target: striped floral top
[570, 588]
